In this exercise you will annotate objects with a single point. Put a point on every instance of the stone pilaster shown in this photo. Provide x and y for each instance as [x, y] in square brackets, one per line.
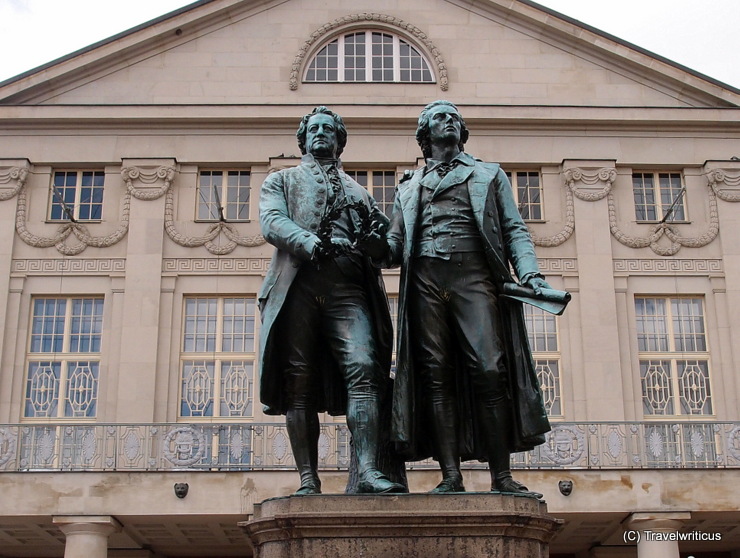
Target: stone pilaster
[723, 178]
[590, 183]
[147, 180]
[13, 175]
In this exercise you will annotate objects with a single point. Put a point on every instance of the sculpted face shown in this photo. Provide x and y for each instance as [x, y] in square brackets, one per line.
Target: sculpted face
[444, 125]
[181, 489]
[321, 136]
[566, 487]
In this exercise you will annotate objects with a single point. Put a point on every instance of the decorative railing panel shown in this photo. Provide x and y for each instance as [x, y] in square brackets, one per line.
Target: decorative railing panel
[258, 446]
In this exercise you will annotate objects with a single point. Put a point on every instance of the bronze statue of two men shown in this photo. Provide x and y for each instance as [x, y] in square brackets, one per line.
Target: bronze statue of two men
[465, 385]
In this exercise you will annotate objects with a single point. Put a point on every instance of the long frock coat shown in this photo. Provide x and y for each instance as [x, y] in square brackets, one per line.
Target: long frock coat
[506, 241]
[292, 202]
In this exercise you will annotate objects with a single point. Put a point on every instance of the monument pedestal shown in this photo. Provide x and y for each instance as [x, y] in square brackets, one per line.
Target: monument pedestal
[470, 525]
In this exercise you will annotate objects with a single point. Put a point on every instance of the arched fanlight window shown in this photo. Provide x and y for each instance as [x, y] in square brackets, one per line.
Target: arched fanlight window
[369, 56]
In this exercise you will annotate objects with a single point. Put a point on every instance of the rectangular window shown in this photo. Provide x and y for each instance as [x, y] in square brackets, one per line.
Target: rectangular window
[673, 354]
[76, 196]
[223, 195]
[658, 196]
[64, 358]
[217, 359]
[542, 333]
[527, 193]
[381, 185]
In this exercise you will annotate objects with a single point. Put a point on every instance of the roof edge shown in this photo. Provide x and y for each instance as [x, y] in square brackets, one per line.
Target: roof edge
[630, 45]
[105, 41]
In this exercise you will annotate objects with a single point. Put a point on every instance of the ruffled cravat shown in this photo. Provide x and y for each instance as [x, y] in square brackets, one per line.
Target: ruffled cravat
[443, 169]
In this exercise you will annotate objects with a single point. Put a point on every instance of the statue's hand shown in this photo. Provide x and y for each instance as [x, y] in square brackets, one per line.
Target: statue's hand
[341, 246]
[374, 245]
[537, 284]
[328, 249]
[321, 251]
[380, 226]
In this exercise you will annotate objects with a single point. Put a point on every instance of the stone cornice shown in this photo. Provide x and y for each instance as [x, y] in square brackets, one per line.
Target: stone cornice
[211, 118]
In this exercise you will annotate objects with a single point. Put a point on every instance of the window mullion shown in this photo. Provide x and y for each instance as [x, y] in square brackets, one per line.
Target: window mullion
[220, 313]
[340, 59]
[77, 195]
[677, 409]
[67, 332]
[671, 355]
[659, 194]
[219, 325]
[396, 59]
[669, 327]
[61, 399]
[64, 358]
[368, 56]
[217, 387]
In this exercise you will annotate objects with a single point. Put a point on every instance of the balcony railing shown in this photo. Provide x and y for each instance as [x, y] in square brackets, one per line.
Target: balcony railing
[265, 446]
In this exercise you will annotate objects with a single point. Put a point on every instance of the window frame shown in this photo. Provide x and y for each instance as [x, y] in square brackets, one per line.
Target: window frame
[65, 357]
[76, 203]
[513, 176]
[384, 204]
[341, 56]
[545, 356]
[223, 195]
[218, 357]
[673, 355]
[659, 205]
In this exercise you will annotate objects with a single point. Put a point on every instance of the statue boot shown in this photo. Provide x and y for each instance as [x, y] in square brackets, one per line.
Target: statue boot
[446, 446]
[363, 420]
[303, 431]
[496, 421]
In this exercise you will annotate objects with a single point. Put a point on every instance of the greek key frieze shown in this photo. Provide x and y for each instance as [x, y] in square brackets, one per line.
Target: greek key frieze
[249, 266]
[558, 265]
[100, 266]
[654, 266]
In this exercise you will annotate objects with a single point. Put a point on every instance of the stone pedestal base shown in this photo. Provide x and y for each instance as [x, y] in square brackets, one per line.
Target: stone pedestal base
[470, 525]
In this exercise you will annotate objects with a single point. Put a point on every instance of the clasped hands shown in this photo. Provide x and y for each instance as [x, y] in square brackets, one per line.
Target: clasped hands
[372, 243]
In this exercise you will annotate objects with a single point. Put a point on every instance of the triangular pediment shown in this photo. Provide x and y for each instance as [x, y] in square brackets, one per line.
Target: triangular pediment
[251, 52]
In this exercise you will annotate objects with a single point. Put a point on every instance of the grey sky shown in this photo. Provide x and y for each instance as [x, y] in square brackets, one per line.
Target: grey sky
[700, 35]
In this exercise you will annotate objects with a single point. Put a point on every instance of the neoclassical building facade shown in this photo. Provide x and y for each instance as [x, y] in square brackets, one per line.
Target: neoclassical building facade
[131, 258]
